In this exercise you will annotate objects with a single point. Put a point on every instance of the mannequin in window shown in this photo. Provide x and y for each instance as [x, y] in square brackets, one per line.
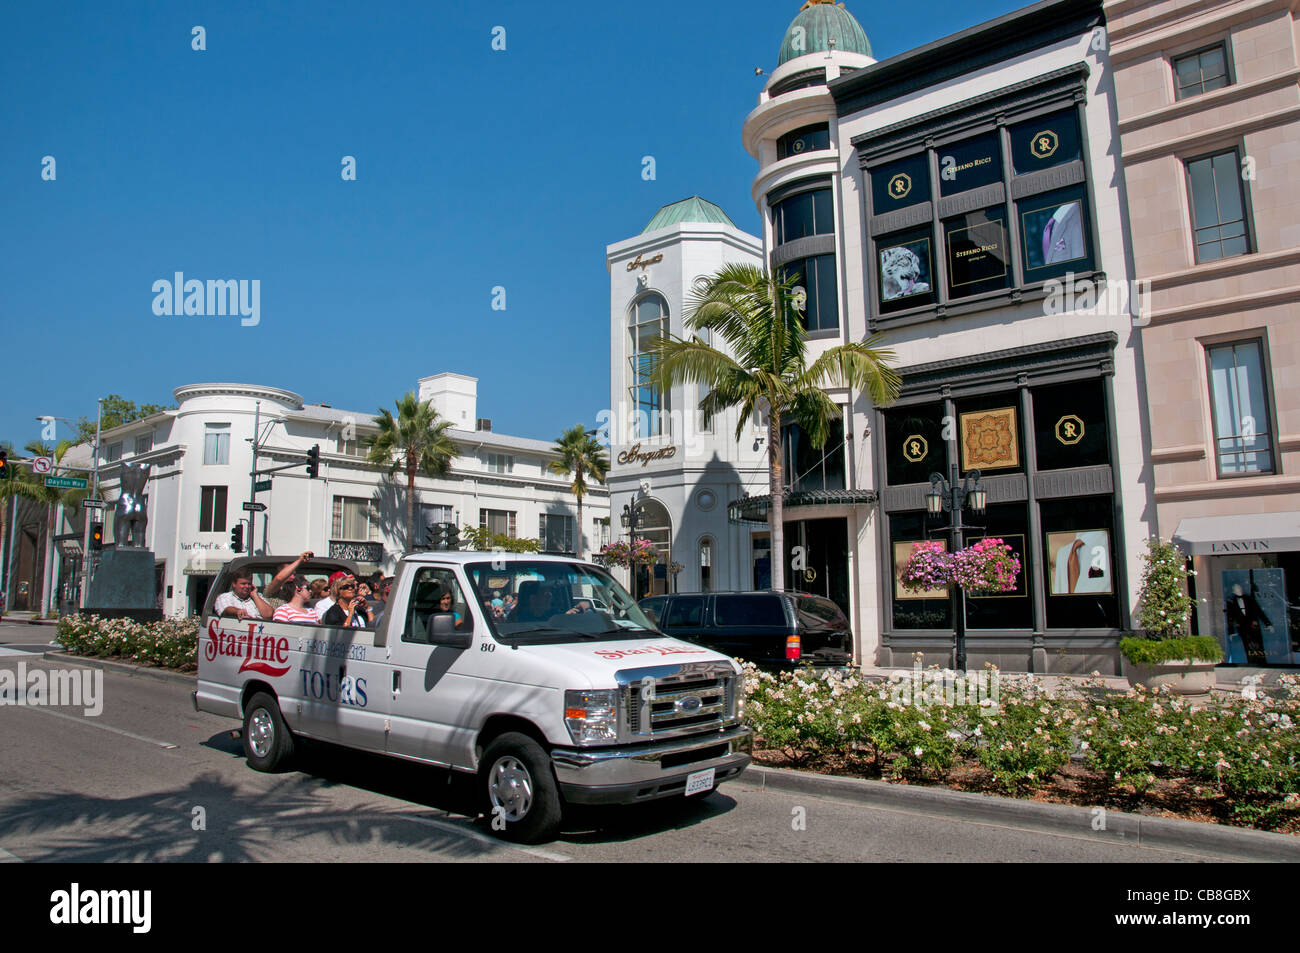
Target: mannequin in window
[1244, 615]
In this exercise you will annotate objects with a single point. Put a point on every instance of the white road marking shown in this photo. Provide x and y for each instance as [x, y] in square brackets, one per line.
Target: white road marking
[484, 839]
[94, 724]
[4, 651]
[8, 858]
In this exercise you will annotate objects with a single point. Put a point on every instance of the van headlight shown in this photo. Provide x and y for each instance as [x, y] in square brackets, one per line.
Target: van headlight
[592, 717]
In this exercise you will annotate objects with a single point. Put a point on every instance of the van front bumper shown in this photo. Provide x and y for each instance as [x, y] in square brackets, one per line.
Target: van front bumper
[643, 772]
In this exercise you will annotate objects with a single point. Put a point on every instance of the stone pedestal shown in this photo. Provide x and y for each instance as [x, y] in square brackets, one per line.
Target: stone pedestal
[123, 586]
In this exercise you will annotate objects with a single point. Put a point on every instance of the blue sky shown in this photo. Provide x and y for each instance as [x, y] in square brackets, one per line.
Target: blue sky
[475, 169]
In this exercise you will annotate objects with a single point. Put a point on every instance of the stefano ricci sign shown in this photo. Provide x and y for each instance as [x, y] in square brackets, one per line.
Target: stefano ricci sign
[634, 454]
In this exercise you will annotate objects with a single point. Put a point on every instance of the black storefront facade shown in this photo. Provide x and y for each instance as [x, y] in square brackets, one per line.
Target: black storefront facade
[1039, 423]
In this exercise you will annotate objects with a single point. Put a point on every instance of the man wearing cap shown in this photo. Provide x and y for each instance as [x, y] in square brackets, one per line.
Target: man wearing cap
[327, 603]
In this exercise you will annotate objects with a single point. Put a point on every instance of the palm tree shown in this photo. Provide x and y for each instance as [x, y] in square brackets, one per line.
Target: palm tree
[52, 496]
[414, 441]
[757, 315]
[580, 454]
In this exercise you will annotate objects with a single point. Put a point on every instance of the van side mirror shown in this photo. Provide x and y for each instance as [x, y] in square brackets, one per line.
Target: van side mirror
[443, 631]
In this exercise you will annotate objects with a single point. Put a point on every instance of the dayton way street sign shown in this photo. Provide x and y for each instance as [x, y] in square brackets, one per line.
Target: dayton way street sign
[66, 483]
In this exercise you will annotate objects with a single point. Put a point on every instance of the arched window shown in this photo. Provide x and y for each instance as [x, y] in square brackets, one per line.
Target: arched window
[657, 527]
[648, 321]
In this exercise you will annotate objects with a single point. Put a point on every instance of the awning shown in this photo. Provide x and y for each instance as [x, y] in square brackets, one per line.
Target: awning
[753, 509]
[1226, 535]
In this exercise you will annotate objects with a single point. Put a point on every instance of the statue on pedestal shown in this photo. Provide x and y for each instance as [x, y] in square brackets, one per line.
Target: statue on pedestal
[131, 514]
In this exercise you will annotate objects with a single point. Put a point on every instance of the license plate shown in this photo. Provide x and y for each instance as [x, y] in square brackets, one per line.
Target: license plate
[699, 782]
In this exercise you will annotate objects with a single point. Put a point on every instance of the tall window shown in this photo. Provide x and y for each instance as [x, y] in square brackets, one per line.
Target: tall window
[355, 518]
[555, 532]
[499, 463]
[144, 443]
[212, 509]
[216, 444]
[804, 214]
[1218, 209]
[498, 522]
[1239, 403]
[649, 321]
[706, 564]
[114, 452]
[819, 306]
[814, 468]
[1201, 72]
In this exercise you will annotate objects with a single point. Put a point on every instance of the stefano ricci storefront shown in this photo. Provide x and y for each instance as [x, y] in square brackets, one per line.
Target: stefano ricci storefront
[1038, 423]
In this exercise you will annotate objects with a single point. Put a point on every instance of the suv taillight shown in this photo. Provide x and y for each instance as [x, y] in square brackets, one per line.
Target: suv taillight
[793, 648]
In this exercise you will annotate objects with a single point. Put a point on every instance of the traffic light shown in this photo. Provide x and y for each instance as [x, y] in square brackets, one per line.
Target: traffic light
[313, 461]
[96, 535]
[237, 537]
[5, 470]
[450, 536]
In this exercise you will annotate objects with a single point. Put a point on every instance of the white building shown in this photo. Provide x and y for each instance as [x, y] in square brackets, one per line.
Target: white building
[201, 455]
[682, 470]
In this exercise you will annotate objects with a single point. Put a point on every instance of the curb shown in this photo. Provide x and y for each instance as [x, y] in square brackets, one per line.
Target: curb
[1138, 830]
[125, 667]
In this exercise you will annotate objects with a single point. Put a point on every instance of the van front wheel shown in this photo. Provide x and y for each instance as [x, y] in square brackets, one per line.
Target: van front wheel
[267, 742]
[523, 800]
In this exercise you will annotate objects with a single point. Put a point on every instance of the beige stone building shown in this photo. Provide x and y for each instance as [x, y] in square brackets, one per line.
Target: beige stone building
[1208, 101]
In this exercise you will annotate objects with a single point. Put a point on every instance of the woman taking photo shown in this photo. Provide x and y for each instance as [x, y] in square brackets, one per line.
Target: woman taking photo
[349, 610]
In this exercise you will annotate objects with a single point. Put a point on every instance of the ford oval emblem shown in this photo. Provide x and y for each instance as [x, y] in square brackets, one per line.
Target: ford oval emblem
[689, 704]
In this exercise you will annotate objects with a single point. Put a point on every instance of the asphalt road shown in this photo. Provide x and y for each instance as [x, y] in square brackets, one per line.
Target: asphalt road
[149, 779]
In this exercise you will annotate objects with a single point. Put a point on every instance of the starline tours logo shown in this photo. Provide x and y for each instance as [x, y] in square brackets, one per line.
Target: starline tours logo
[76, 688]
[258, 652]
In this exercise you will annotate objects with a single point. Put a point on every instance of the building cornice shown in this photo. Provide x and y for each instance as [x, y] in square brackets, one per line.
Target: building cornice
[1206, 101]
[1171, 29]
[1211, 138]
[1011, 364]
[1068, 82]
[253, 391]
[963, 54]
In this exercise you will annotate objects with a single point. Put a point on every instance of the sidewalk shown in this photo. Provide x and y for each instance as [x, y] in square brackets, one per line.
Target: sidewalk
[28, 617]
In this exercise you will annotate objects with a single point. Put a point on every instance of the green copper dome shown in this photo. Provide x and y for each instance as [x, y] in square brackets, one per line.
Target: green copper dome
[819, 22]
[693, 209]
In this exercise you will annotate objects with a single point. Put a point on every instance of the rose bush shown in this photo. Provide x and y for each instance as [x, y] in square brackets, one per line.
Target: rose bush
[171, 643]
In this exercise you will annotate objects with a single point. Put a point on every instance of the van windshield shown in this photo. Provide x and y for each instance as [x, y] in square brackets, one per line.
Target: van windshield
[545, 601]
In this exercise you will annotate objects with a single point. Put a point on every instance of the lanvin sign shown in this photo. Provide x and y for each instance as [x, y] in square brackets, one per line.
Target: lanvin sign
[1241, 546]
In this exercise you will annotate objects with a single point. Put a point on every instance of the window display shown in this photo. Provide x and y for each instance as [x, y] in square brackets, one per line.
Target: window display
[1054, 234]
[977, 252]
[901, 183]
[989, 440]
[1045, 142]
[1256, 616]
[906, 271]
[1079, 563]
[969, 164]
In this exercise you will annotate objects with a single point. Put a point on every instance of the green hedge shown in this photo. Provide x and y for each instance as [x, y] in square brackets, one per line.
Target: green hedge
[171, 643]
[1140, 651]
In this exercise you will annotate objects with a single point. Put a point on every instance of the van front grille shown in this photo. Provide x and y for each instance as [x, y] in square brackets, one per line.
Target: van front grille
[681, 704]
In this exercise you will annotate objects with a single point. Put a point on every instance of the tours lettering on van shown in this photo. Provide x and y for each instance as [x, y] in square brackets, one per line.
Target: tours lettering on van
[258, 651]
[649, 650]
[345, 690]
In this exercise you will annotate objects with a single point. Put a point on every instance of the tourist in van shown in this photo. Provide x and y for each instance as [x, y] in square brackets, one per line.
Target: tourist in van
[349, 611]
[296, 609]
[319, 590]
[243, 600]
[327, 602]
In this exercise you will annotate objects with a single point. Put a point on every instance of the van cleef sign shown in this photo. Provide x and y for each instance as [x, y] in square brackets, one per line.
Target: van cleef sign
[634, 453]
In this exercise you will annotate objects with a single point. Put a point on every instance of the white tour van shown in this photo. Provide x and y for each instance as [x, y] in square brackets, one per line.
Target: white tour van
[565, 693]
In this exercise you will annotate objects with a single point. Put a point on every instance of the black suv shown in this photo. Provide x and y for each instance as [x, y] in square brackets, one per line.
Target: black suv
[771, 629]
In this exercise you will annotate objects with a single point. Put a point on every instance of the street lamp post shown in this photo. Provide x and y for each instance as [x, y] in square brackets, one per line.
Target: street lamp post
[94, 494]
[632, 517]
[950, 496]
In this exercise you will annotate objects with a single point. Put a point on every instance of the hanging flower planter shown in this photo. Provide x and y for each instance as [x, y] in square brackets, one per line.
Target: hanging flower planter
[988, 566]
[641, 553]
